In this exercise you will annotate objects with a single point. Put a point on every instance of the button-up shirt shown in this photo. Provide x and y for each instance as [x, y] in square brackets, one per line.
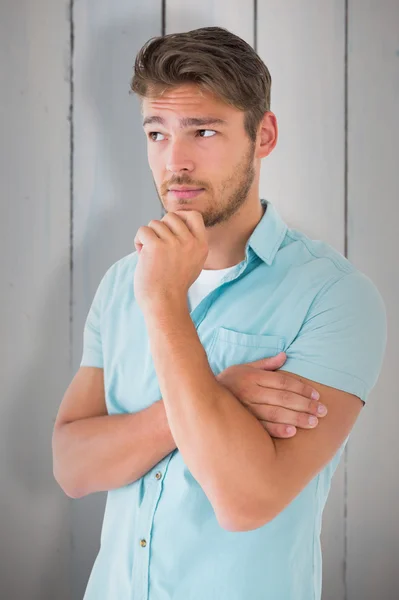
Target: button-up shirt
[160, 538]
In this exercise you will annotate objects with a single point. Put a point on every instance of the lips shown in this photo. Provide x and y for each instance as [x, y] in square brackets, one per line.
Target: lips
[184, 189]
[186, 193]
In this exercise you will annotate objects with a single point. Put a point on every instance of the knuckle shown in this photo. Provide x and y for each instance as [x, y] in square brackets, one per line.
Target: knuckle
[272, 428]
[248, 374]
[174, 239]
[285, 397]
[284, 381]
[243, 389]
[242, 383]
[279, 431]
[302, 420]
[273, 413]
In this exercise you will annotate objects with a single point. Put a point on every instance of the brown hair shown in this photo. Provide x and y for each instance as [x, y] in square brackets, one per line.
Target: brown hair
[216, 60]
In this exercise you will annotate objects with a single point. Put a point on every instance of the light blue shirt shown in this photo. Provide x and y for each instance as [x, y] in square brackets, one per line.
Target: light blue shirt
[160, 538]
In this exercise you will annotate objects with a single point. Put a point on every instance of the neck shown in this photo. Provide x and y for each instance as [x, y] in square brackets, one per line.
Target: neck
[227, 241]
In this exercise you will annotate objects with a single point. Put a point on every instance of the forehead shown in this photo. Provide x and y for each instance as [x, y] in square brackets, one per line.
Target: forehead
[190, 104]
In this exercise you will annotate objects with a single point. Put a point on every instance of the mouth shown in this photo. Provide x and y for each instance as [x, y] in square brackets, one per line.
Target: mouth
[186, 193]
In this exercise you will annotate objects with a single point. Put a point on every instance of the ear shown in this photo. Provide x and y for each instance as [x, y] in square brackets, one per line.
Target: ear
[267, 135]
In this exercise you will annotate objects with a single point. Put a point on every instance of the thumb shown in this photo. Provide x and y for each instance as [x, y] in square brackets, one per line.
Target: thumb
[271, 363]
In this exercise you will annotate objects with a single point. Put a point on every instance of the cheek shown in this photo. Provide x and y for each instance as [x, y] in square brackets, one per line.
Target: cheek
[153, 161]
[150, 154]
[221, 156]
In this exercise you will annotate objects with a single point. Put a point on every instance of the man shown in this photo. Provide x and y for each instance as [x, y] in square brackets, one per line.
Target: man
[222, 326]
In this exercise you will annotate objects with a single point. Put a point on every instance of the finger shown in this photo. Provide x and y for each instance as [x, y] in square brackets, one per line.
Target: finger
[177, 225]
[162, 230]
[145, 235]
[283, 381]
[277, 430]
[194, 221]
[284, 416]
[282, 399]
[271, 363]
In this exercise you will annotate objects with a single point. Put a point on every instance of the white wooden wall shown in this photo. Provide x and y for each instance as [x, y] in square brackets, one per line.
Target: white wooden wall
[75, 188]
[35, 342]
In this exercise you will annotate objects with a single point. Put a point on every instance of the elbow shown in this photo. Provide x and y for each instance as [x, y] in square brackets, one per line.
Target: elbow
[70, 490]
[247, 519]
[242, 523]
[73, 493]
[245, 510]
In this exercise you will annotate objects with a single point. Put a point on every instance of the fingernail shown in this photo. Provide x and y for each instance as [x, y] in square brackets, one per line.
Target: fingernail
[315, 395]
[321, 409]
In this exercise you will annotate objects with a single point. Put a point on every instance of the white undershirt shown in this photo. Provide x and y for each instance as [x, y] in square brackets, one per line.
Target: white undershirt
[207, 280]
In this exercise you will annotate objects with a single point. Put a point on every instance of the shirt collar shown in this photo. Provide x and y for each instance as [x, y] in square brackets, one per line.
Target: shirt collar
[269, 233]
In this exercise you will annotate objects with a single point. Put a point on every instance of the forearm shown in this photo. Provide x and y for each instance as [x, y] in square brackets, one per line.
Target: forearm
[107, 452]
[225, 447]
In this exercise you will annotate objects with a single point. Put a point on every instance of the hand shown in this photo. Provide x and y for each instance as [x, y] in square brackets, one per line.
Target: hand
[172, 253]
[276, 399]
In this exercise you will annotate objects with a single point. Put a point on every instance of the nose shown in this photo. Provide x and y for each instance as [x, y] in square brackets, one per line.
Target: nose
[178, 159]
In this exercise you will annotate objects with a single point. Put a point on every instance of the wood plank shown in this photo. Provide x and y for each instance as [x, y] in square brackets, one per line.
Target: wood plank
[303, 46]
[373, 186]
[35, 295]
[235, 15]
[113, 189]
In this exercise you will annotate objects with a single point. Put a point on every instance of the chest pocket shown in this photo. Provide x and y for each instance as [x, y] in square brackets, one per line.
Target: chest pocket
[231, 347]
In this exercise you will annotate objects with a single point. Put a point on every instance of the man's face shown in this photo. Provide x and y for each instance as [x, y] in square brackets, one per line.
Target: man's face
[217, 157]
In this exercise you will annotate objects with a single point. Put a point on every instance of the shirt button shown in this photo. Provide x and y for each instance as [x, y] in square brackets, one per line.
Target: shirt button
[158, 475]
[143, 543]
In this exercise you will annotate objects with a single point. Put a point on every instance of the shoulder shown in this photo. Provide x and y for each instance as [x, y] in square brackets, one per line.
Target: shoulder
[333, 276]
[121, 269]
[342, 338]
[118, 275]
[307, 251]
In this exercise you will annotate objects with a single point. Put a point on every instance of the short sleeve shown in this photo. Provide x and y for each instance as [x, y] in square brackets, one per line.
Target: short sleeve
[343, 339]
[92, 344]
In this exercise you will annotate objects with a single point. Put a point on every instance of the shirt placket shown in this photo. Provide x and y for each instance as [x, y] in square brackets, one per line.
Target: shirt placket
[142, 538]
[156, 479]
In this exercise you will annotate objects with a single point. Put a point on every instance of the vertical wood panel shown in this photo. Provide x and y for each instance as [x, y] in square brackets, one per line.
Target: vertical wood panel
[303, 45]
[235, 15]
[113, 188]
[373, 187]
[34, 317]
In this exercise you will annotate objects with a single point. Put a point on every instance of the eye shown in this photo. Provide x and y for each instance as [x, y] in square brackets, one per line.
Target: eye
[211, 130]
[153, 133]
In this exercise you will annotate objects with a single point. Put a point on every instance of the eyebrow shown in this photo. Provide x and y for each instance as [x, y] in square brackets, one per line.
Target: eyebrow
[187, 121]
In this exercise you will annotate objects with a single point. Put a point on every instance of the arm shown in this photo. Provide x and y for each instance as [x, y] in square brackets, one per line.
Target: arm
[339, 351]
[94, 451]
[224, 446]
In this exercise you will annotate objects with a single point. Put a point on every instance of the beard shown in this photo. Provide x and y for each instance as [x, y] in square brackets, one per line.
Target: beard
[233, 191]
